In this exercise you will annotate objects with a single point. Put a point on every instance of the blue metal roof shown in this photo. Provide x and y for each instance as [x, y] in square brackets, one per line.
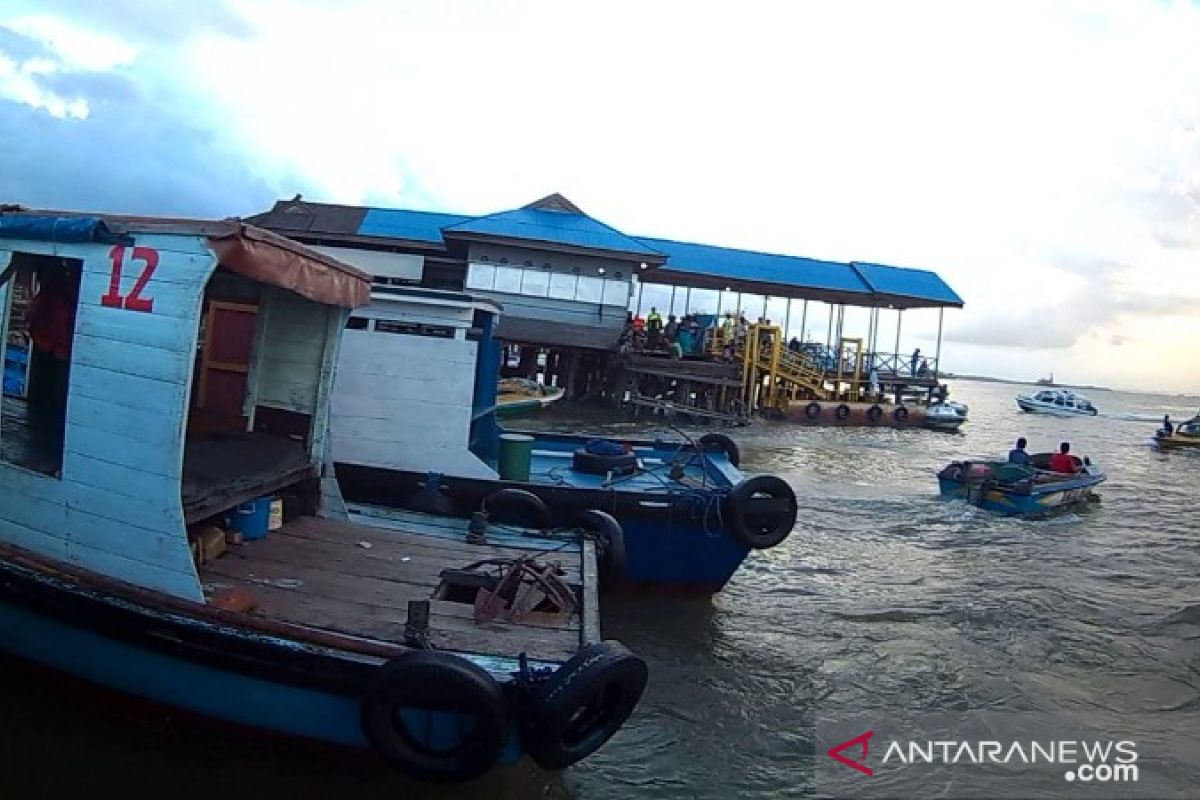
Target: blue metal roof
[919, 284]
[555, 227]
[748, 265]
[417, 226]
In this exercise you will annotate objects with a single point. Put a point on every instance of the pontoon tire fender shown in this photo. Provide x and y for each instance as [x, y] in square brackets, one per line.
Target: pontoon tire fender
[812, 410]
[610, 543]
[593, 464]
[874, 413]
[900, 414]
[425, 679]
[723, 443]
[582, 704]
[842, 412]
[754, 530]
[521, 507]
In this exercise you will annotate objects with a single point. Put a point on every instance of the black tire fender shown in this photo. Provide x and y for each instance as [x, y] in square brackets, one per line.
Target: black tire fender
[425, 679]
[582, 704]
[761, 511]
[723, 443]
[842, 412]
[900, 414]
[520, 507]
[874, 413]
[593, 464]
[610, 544]
[812, 410]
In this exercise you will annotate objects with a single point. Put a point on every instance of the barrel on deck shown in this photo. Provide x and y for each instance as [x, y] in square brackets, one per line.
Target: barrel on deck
[516, 454]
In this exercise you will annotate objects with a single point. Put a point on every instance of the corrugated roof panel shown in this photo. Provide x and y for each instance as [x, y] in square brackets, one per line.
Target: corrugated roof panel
[748, 265]
[554, 227]
[904, 282]
[417, 226]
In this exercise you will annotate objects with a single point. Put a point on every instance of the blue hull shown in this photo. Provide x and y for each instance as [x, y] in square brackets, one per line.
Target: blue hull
[1041, 501]
[199, 666]
[676, 534]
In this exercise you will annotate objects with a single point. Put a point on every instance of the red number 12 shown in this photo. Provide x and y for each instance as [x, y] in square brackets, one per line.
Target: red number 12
[134, 300]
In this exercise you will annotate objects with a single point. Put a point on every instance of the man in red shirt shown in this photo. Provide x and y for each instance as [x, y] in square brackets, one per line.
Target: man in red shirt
[1062, 460]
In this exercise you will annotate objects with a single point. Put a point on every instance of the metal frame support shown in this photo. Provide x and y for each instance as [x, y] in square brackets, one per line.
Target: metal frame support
[937, 356]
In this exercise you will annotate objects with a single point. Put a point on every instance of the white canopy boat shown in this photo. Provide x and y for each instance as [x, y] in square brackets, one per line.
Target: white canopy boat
[1061, 402]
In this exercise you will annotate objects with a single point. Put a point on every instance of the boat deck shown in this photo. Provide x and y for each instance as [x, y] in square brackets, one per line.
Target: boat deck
[358, 579]
[552, 465]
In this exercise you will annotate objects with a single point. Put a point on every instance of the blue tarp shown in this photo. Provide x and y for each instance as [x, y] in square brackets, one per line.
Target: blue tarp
[67, 230]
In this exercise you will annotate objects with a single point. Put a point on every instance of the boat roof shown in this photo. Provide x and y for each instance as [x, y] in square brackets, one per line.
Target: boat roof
[245, 249]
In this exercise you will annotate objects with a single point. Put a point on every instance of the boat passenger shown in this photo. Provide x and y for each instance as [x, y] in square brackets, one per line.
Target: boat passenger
[1167, 428]
[1062, 460]
[1018, 455]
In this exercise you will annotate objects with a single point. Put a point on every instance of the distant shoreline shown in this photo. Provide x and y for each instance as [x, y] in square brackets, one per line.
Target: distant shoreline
[988, 379]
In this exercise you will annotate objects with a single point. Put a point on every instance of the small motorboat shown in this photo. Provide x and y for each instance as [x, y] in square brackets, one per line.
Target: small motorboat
[1185, 436]
[1061, 402]
[945, 416]
[520, 397]
[1020, 488]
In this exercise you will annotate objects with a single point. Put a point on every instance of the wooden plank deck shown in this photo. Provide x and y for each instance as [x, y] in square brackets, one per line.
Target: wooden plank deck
[316, 572]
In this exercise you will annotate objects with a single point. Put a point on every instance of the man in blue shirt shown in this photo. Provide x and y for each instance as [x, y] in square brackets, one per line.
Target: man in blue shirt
[1018, 455]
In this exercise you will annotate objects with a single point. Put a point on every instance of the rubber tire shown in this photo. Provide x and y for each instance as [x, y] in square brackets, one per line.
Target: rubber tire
[725, 444]
[517, 507]
[605, 672]
[874, 413]
[758, 537]
[592, 464]
[843, 411]
[610, 549]
[812, 410]
[900, 414]
[424, 679]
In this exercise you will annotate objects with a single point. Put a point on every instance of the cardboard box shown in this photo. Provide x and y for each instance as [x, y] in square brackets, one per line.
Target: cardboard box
[211, 542]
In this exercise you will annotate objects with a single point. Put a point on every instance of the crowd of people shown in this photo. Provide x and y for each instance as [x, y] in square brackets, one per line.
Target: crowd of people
[689, 335]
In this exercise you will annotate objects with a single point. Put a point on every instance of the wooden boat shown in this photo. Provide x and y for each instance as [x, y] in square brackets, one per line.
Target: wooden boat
[689, 516]
[519, 397]
[194, 383]
[1020, 489]
[1186, 436]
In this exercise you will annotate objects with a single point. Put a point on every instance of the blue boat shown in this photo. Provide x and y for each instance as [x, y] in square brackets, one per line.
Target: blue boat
[413, 425]
[1019, 489]
[178, 401]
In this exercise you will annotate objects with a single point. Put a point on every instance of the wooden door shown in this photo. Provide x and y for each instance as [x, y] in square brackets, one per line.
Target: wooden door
[225, 364]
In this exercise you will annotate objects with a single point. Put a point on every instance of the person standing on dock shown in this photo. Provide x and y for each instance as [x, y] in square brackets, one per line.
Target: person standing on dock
[654, 326]
[727, 328]
[670, 330]
[912, 364]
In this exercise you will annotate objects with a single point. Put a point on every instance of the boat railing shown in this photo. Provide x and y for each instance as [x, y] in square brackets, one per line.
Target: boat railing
[895, 365]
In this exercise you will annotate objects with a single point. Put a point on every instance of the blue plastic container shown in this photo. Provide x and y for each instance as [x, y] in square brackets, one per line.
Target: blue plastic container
[253, 519]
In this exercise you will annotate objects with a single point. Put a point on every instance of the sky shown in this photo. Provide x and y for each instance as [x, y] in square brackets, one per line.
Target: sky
[1042, 157]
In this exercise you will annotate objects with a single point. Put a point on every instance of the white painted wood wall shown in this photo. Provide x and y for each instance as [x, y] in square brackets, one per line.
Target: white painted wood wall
[403, 401]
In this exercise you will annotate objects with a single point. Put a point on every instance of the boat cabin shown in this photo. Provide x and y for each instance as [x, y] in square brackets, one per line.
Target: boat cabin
[165, 372]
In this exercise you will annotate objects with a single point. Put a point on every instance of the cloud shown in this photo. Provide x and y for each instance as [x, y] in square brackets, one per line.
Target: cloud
[1101, 296]
[157, 23]
[18, 47]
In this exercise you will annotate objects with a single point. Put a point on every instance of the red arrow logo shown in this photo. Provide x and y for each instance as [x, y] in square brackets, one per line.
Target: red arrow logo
[863, 741]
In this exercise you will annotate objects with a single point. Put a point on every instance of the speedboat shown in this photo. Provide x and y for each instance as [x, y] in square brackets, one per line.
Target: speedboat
[1020, 488]
[1185, 436]
[945, 416]
[1061, 402]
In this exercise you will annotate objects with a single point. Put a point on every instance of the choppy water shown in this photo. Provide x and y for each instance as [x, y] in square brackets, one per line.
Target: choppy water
[885, 597]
